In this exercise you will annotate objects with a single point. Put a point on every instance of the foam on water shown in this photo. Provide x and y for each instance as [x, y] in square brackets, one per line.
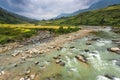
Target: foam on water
[101, 43]
[102, 78]
[116, 78]
[96, 61]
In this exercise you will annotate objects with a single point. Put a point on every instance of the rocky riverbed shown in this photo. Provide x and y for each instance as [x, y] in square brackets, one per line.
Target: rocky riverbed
[42, 37]
[76, 56]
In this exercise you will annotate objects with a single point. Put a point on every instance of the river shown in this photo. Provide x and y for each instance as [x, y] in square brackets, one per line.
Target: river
[101, 64]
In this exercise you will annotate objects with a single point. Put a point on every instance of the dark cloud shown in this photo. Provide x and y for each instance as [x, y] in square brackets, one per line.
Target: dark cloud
[46, 9]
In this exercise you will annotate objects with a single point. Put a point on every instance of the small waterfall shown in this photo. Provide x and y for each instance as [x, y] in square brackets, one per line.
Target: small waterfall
[96, 60]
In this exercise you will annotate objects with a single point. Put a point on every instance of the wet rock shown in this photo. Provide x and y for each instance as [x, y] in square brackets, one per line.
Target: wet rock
[72, 47]
[27, 71]
[36, 63]
[116, 41]
[57, 57]
[47, 50]
[89, 43]
[102, 78]
[15, 65]
[81, 58]
[109, 76]
[62, 63]
[59, 48]
[42, 67]
[58, 61]
[15, 54]
[86, 50]
[51, 47]
[115, 50]
[95, 39]
[25, 78]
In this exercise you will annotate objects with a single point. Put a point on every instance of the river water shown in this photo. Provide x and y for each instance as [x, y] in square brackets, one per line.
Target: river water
[100, 62]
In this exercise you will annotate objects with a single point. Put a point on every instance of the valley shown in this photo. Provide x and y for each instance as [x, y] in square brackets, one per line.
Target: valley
[83, 45]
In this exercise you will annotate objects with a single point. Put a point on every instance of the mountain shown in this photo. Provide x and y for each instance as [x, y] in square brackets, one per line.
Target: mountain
[105, 16]
[9, 17]
[97, 5]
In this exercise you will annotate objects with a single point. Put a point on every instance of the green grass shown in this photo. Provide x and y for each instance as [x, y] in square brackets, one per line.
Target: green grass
[11, 33]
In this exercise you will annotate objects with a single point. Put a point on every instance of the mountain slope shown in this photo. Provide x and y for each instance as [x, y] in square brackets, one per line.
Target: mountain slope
[97, 5]
[106, 16]
[8, 17]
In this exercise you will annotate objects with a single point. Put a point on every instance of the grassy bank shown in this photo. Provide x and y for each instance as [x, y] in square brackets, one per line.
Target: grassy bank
[20, 32]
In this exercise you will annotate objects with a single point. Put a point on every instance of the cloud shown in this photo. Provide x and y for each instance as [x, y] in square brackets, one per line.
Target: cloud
[45, 9]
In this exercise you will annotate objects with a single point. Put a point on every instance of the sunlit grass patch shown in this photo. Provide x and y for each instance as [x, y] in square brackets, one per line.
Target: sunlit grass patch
[13, 32]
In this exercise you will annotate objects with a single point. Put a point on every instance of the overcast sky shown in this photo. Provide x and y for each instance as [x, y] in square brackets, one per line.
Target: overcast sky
[44, 9]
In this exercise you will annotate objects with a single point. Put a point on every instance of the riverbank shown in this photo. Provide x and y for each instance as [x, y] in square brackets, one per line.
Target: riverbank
[19, 56]
[41, 37]
[65, 57]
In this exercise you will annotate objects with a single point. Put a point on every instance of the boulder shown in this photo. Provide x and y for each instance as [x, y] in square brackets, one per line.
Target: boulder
[15, 65]
[109, 76]
[114, 49]
[36, 63]
[115, 41]
[58, 61]
[57, 57]
[27, 71]
[81, 58]
[62, 63]
[15, 54]
[86, 50]
[89, 43]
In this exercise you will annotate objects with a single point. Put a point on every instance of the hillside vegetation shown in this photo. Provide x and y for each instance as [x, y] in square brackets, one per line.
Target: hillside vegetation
[19, 32]
[11, 18]
[105, 16]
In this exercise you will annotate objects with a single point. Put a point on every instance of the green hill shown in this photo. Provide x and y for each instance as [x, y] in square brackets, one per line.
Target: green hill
[8, 17]
[105, 16]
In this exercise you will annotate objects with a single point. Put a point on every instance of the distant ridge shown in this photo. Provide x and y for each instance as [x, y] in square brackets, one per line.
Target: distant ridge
[97, 5]
[109, 16]
[12, 18]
